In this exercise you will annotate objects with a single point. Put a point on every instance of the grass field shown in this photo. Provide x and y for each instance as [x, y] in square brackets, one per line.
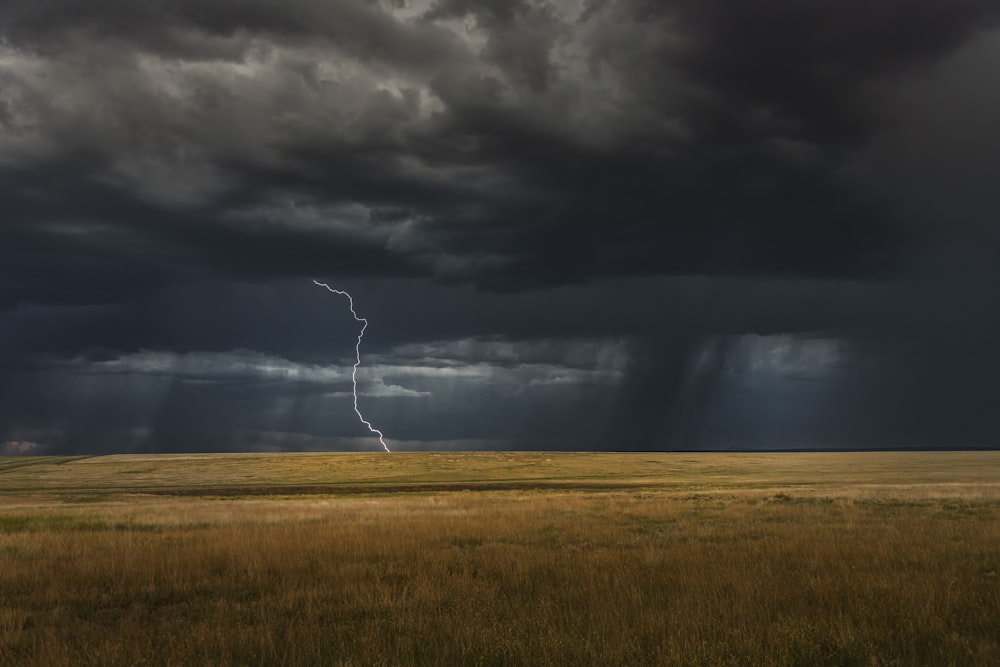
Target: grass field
[501, 558]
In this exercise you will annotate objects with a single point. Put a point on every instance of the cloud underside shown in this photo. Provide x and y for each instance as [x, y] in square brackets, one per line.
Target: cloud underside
[508, 144]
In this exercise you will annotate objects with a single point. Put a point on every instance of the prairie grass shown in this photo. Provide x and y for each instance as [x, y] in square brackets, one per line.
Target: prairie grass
[695, 571]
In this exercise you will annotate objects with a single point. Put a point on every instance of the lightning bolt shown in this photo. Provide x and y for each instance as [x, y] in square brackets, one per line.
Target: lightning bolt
[357, 361]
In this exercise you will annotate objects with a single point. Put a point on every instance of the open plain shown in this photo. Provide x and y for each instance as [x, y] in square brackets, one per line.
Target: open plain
[501, 558]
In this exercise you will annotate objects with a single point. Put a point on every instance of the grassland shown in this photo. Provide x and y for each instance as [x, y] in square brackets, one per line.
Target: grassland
[533, 559]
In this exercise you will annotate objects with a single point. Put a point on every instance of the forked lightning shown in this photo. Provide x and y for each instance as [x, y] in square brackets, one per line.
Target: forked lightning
[357, 361]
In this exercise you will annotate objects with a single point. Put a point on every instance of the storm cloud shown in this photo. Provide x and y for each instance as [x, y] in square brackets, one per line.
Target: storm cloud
[571, 224]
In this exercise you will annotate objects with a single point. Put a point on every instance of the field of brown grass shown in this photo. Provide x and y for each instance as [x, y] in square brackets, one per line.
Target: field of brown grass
[501, 559]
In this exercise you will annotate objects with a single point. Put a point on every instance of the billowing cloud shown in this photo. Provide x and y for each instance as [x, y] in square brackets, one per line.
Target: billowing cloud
[514, 145]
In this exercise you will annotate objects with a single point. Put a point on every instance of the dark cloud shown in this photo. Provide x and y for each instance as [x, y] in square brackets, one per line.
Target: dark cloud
[530, 143]
[681, 186]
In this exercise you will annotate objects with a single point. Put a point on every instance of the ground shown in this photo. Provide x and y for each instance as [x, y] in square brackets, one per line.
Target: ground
[501, 558]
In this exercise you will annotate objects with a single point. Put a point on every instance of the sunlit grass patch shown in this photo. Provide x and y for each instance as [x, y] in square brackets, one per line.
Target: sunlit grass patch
[717, 574]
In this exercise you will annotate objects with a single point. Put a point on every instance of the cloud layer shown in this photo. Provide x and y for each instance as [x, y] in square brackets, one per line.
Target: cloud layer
[682, 194]
[504, 143]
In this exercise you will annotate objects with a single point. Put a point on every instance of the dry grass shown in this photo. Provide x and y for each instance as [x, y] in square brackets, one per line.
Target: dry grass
[792, 566]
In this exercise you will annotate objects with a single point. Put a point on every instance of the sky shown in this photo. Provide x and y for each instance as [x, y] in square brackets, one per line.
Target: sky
[570, 225]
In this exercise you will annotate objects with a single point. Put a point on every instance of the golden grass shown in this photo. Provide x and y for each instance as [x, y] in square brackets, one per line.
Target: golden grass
[713, 560]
